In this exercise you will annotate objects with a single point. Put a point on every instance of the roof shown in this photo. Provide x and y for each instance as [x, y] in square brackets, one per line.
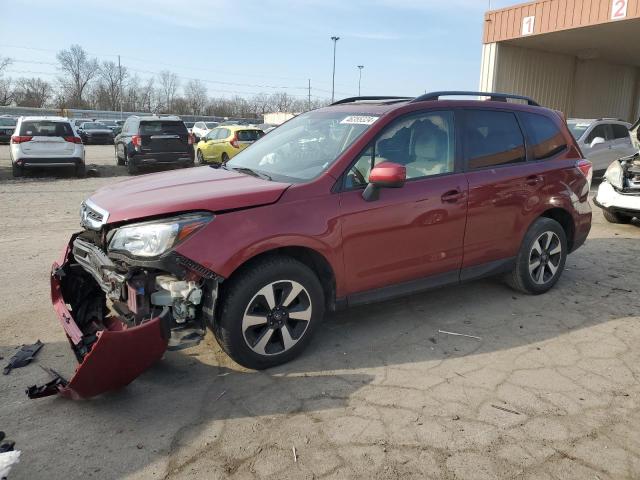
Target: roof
[159, 117]
[50, 118]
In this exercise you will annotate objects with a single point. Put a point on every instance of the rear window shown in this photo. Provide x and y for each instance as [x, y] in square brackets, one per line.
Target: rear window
[45, 128]
[249, 135]
[545, 136]
[162, 128]
[492, 138]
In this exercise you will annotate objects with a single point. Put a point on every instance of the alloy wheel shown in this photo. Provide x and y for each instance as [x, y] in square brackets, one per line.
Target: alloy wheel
[277, 317]
[545, 257]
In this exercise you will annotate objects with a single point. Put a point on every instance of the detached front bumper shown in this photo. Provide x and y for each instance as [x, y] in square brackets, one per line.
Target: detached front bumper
[114, 359]
[608, 198]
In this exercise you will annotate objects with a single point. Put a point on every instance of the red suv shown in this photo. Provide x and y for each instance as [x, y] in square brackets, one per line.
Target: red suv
[365, 200]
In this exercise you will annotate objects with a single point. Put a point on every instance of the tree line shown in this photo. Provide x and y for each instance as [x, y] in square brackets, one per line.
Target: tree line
[86, 83]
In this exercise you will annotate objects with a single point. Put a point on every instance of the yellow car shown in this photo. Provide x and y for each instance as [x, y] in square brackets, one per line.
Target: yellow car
[223, 143]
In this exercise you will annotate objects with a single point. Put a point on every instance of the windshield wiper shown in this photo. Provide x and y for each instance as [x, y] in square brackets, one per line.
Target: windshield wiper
[248, 171]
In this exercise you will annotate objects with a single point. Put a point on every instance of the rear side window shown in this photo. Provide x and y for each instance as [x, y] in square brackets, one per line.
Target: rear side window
[249, 135]
[162, 128]
[545, 136]
[620, 131]
[492, 138]
[46, 129]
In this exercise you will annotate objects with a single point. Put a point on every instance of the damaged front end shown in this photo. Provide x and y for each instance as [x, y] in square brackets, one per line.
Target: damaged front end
[120, 311]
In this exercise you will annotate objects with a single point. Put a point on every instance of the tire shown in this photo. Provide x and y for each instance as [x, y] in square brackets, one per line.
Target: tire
[119, 161]
[81, 170]
[200, 157]
[613, 217]
[258, 341]
[16, 170]
[224, 158]
[528, 278]
[132, 169]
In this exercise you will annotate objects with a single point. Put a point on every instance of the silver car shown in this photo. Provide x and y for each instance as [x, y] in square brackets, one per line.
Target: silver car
[603, 140]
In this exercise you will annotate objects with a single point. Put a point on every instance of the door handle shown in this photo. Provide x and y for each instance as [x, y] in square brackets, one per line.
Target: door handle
[534, 180]
[452, 196]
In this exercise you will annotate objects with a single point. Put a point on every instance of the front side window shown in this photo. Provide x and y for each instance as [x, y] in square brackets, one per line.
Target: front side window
[546, 137]
[492, 138]
[305, 146]
[423, 143]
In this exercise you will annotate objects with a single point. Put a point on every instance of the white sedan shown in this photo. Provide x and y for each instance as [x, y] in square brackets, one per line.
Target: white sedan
[619, 193]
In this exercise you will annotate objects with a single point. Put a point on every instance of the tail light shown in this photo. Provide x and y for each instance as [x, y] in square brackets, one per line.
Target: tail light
[234, 141]
[136, 140]
[586, 168]
[73, 139]
[20, 139]
[191, 139]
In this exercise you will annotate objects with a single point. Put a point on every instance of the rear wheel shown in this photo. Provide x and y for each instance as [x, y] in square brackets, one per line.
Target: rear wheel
[224, 158]
[81, 170]
[120, 161]
[541, 258]
[17, 170]
[269, 312]
[200, 157]
[613, 217]
[132, 168]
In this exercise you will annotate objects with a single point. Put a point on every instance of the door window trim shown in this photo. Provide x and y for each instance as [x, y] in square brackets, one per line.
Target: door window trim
[340, 183]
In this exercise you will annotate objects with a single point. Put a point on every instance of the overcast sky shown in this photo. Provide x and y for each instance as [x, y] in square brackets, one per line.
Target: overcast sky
[251, 46]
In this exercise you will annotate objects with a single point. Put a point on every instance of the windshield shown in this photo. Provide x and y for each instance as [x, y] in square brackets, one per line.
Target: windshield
[93, 126]
[211, 124]
[305, 146]
[7, 122]
[577, 127]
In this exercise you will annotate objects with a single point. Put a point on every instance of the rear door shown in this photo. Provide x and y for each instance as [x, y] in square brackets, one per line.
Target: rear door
[622, 140]
[164, 136]
[48, 138]
[496, 169]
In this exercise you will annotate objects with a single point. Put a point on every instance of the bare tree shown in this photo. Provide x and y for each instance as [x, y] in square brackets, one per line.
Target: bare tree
[195, 93]
[32, 92]
[112, 78]
[4, 63]
[148, 97]
[169, 84]
[78, 71]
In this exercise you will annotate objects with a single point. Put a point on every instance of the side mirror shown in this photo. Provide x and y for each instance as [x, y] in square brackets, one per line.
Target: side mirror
[597, 141]
[384, 175]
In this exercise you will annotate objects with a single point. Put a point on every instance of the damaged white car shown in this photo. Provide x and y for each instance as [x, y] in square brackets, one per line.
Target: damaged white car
[619, 193]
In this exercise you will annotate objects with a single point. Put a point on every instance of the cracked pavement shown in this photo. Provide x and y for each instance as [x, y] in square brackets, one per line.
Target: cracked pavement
[549, 392]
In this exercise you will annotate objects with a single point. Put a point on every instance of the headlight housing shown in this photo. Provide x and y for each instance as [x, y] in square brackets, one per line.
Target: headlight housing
[151, 239]
[614, 175]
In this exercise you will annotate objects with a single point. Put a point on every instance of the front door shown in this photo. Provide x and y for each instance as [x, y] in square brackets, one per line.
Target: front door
[411, 232]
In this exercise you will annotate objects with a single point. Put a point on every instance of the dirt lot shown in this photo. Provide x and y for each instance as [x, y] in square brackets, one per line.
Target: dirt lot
[551, 390]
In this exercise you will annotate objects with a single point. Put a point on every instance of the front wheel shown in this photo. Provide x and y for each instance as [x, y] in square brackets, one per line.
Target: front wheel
[268, 312]
[613, 217]
[225, 158]
[541, 258]
[200, 157]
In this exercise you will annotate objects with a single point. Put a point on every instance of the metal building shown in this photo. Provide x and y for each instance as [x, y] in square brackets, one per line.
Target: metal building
[578, 56]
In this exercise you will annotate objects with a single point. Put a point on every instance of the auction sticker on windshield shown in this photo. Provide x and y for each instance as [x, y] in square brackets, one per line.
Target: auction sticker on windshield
[359, 120]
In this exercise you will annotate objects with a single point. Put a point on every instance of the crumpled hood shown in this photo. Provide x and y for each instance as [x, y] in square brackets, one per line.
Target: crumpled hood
[190, 189]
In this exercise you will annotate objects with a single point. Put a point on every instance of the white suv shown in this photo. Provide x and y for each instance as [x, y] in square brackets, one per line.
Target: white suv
[46, 142]
[200, 129]
[602, 141]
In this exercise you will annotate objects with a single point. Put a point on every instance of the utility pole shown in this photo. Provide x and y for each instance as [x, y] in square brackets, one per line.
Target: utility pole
[309, 94]
[120, 78]
[333, 80]
[360, 67]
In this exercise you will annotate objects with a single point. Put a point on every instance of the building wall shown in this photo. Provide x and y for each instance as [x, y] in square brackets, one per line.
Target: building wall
[579, 88]
[551, 16]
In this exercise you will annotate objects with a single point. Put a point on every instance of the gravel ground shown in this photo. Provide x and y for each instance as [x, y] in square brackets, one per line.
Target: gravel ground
[550, 391]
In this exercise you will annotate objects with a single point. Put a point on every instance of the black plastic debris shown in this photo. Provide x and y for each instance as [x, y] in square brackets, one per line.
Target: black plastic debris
[23, 356]
[50, 388]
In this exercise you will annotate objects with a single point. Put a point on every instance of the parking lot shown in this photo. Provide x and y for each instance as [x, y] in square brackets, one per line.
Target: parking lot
[549, 389]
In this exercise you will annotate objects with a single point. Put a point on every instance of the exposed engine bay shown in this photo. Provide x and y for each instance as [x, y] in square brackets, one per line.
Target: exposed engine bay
[631, 172]
[121, 314]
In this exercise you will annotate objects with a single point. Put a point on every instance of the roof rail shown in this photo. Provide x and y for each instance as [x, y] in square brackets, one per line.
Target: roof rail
[500, 97]
[356, 99]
